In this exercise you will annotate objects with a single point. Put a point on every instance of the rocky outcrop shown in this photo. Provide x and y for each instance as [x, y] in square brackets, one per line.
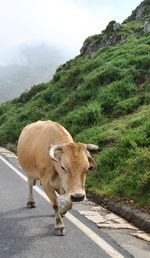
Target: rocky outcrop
[108, 37]
[115, 33]
[140, 12]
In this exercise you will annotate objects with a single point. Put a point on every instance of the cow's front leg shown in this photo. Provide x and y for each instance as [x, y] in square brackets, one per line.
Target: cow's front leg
[59, 226]
[65, 205]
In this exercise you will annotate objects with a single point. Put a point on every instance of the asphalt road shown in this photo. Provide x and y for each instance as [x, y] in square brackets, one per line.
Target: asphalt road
[30, 232]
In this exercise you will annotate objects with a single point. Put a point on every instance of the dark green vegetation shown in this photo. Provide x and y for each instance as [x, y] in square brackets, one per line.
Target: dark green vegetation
[101, 98]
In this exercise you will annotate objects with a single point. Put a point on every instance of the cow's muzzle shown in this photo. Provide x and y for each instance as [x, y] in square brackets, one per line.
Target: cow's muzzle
[76, 197]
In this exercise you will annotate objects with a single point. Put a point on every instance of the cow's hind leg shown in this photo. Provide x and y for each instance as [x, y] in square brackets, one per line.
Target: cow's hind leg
[59, 226]
[30, 200]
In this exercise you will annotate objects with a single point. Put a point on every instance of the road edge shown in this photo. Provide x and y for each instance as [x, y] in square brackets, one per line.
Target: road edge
[134, 216]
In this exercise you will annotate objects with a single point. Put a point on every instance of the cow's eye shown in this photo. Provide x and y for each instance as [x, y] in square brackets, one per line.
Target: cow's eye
[89, 170]
[64, 169]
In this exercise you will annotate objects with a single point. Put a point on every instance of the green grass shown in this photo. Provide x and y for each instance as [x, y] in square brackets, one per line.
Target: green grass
[102, 99]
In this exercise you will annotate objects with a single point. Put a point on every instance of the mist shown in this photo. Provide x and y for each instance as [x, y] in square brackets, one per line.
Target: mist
[30, 65]
[36, 36]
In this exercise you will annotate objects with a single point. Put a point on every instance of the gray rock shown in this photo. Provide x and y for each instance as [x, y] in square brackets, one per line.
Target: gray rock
[147, 26]
[116, 26]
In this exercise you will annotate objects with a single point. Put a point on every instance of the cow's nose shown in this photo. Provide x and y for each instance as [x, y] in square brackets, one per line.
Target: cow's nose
[77, 197]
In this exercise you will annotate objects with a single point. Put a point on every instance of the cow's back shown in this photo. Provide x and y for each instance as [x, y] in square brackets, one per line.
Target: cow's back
[34, 143]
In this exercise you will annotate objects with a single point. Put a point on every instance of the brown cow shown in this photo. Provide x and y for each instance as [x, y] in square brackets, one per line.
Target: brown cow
[46, 151]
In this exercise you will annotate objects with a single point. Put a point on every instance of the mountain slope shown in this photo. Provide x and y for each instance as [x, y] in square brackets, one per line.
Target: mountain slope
[32, 64]
[14, 79]
[102, 96]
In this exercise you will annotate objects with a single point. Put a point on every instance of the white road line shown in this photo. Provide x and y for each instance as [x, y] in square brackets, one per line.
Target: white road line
[87, 231]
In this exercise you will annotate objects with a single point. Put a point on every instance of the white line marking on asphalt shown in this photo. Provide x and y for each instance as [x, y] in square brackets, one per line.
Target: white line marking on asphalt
[87, 231]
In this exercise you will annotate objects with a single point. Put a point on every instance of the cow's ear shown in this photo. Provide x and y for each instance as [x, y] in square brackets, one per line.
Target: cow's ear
[92, 163]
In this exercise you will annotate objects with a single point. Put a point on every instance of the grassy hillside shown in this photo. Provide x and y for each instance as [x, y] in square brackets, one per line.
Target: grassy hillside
[102, 97]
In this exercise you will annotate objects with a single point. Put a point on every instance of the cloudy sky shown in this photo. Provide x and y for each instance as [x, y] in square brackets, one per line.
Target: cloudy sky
[61, 25]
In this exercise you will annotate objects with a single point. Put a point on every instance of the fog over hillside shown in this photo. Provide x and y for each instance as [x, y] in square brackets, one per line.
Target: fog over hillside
[31, 64]
[37, 36]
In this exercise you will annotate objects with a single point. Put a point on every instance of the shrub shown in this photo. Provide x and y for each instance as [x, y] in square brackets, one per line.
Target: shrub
[27, 95]
[114, 93]
[83, 117]
[127, 106]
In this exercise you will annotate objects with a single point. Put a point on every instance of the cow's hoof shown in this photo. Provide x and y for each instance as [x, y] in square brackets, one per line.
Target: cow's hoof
[31, 205]
[60, 231]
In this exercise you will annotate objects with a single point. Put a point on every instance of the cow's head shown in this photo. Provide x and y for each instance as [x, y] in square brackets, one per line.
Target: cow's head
[72, 161]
